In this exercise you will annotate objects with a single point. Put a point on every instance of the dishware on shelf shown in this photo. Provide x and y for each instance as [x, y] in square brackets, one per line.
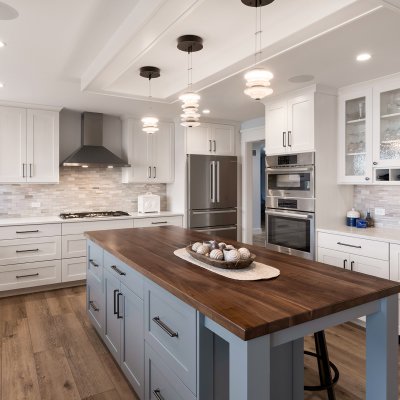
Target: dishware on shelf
[361, 110]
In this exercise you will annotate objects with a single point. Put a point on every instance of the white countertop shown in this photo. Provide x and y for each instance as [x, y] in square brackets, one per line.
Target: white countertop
[381, 234]
[58, 220]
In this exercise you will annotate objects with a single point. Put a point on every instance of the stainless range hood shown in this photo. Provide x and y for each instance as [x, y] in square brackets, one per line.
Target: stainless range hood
[92, 153]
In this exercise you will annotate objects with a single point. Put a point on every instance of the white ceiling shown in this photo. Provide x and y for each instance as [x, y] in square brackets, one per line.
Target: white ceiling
[55, 48]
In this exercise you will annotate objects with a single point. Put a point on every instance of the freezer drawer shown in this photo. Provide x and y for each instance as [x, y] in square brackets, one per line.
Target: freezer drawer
[202, 218]
[225, 232]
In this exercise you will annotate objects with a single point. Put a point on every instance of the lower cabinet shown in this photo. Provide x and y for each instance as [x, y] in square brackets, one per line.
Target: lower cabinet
[95, 304]
[73, 269]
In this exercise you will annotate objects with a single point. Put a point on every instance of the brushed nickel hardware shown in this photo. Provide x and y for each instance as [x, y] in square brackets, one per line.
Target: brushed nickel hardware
[348, 245]
[27, 251]
[284, 139]
[35, 231]
[210, 148]
[25, 276]
[288, 138]
[30, 170]
[159, 223]
[215, 145]
[155, 173]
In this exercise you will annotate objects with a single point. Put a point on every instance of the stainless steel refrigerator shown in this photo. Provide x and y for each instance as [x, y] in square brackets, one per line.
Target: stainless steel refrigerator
[212, 194]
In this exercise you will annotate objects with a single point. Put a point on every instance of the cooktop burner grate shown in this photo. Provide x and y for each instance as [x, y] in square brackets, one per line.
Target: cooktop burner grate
[94, 214]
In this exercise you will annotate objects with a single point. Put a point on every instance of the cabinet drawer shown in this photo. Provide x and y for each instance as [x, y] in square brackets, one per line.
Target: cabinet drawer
[95, 305]
[29, 231]
[161, 381]
[20, 276]
[73, 269]
[157, 221]
[95, 261]
[170, 328]
[74, 246]
[30, 250]
[76, 228]
[127, 275]
[354, 245]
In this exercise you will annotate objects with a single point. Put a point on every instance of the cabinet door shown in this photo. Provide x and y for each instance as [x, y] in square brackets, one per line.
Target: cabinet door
[112, 328]
[12, 145]
[387, 124]
[276, 128]
[199, 140]
[163, 154]
[42, 146]
[223, 140]
[95, 305]
[301, 123]
[132, 340]
[142, 161]
[395, 262]
[355, 138]
[334, 257]
[370, 266]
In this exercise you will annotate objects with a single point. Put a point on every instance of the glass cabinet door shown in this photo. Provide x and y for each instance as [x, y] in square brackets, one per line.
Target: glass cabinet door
[355, 138]
[387, 127]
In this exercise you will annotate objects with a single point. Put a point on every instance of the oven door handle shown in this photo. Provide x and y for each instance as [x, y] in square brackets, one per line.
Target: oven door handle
[292, 169]
[290, 215]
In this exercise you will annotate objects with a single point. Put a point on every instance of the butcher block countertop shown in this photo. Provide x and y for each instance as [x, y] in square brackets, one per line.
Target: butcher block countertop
[304, 291]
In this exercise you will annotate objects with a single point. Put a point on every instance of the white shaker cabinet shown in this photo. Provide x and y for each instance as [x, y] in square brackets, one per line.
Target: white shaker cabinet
[151, 155]
[29, 145]
[276, 127]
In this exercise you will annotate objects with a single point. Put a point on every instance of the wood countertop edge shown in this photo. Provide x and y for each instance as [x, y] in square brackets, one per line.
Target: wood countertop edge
[250, 332]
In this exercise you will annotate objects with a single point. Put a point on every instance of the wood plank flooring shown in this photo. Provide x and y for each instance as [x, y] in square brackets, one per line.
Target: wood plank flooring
[49, 351]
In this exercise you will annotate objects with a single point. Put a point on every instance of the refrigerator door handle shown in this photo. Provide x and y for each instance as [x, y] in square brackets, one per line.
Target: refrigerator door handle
[217, 184]
[217, 228]
[230, 211]
[212, 181]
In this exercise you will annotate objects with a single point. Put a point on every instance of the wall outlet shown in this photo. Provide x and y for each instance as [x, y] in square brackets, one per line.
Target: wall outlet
[35, 204]
[380, 211]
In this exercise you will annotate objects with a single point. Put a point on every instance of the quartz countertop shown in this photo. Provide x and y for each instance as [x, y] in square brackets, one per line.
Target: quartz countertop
[58, 220]
[380, 234]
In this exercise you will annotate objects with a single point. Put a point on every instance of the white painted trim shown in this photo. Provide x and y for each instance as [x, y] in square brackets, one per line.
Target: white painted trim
[6, 103]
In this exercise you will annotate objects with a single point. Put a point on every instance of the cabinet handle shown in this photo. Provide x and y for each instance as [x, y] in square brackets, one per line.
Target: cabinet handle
[23, 170]
[288, 138]
[155, 173]
[27, 251]
[93, 306]
[367, 178]
[30, 170]
[344, 264]
[149, 172]
[210, 148]
[115, 301]
[36, 231]
[375, 163]
[165, 327]
[93, 263]
[157, 394]
[352, 265]
[117, 270]
[118, 316]
[25, 276]
[215, 145]
[348, 245]
[159, 223]
[284, 139]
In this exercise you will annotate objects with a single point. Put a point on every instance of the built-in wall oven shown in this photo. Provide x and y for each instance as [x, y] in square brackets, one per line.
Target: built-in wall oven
[290, 204]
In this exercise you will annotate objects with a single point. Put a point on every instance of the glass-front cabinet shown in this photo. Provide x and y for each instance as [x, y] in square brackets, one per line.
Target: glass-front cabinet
[355, 137]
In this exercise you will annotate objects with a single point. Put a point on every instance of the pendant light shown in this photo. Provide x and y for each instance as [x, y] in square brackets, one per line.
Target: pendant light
[258, 79]
[150, 123]
[190, 106]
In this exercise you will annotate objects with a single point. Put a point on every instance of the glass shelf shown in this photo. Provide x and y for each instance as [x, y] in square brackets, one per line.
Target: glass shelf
[356, 154]
[356, 121]
[390, 115]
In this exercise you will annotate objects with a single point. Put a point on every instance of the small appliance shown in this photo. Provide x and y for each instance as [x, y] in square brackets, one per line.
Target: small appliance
[148, 203]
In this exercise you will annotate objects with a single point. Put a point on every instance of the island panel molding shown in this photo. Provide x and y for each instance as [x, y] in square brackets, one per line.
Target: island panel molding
[305, 291]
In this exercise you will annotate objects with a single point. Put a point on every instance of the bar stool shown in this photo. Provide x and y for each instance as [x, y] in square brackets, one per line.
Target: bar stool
[324, 367]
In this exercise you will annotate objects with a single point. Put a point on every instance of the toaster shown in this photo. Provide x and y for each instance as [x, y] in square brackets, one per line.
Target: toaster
[148, 203]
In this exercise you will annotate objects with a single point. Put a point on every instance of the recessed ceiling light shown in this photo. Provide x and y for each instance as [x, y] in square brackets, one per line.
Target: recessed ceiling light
[1, 84]
[206, 111]
[364, 57]
[2, 44]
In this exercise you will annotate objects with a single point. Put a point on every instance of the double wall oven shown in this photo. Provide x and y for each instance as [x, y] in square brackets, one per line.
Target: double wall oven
[290, 204]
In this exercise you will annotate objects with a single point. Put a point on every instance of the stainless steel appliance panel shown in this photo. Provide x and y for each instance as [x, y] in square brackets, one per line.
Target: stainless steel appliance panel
[225, 232]
[290, 160]
[284, 203]
[213, 218]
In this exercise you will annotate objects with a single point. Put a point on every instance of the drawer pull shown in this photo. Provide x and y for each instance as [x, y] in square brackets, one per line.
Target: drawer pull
[157, 394]
[26, 276]
[348, 245]
[36, 231]
[27, 251]
[344, 264]
[93, 263]
[93, 306]
[159, 223]
[116, 269]
[352, 265]
[165, 327]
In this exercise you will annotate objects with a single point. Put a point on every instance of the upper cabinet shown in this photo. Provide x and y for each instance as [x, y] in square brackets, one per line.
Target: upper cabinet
[151, 155]
[289, 124]
[29, 145]
[211, 139]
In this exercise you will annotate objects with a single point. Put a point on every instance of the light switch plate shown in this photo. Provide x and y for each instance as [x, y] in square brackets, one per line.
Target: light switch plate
[380, 211]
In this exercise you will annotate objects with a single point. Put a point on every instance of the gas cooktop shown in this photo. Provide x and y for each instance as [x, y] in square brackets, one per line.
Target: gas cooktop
[94, 214]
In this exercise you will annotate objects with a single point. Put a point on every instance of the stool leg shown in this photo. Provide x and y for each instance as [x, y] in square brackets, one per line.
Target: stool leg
[324, 370]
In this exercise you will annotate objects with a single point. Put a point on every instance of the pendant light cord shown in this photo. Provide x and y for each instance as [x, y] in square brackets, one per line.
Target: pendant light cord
[258, 35]
[190, 67]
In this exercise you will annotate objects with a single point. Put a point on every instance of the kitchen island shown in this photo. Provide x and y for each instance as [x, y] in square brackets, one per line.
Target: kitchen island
[154, 309]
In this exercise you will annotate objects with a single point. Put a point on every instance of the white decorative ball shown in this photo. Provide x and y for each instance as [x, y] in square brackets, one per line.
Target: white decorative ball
[222, 245]
[230, 247]
[232, 255]
[244, 253]
[203, 249]
[195, 246]
[217, 254]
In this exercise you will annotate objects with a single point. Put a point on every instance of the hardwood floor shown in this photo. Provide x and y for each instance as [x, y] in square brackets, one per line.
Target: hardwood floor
[50, 351]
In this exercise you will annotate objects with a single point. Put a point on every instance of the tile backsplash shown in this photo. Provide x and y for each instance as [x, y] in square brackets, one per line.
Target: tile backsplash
[91, 189]
[387, 197]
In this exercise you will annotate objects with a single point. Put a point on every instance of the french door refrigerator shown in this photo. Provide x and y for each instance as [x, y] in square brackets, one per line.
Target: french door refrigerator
[212, 194]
